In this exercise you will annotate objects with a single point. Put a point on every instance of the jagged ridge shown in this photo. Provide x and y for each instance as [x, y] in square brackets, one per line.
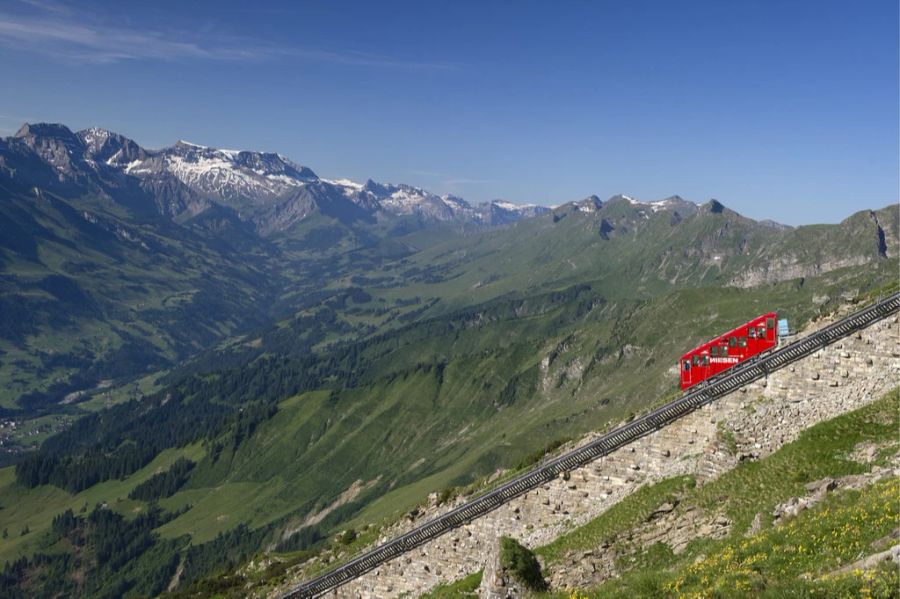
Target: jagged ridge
[265, 188]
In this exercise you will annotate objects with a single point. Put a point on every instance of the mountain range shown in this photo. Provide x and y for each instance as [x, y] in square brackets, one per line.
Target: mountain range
[264, 189]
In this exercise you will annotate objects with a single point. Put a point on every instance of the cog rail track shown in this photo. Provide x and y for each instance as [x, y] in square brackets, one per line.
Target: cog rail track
[742, 374]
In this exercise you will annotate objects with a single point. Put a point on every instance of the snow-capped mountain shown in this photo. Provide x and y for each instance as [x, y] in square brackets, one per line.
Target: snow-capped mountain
[501, 212]
[674, 203]
[266, 189]
[284, 191]
[227, 176]
[670, 203]
[406, 200]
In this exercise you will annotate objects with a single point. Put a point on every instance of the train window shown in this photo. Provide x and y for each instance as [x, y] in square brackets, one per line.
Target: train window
[752, 333]
[705, 360]
[687, 365]
[742, 341]
[696, 360]
[714, 351]
[770, 323]
[732, 341]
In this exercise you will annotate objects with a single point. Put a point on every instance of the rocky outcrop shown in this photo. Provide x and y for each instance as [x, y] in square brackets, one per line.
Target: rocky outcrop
[496, 581]
[871, 236]
[819, 489]
[676, 529]
[788, 267]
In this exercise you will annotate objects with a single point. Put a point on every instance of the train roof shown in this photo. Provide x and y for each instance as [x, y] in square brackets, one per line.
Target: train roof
[724, 336]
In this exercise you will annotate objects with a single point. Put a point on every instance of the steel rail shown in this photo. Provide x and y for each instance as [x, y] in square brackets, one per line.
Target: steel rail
[726, 382]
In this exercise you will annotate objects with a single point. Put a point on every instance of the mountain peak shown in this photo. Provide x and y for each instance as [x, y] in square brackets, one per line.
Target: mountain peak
[715, 206]
[55, 144]
[503, 212]
[112, 148]
[675, 201]
[592, 203]
[95, 137]
[44, 130]
[373, 187]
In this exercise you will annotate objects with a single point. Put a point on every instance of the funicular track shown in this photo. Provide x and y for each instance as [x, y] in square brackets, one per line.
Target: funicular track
[740, 375]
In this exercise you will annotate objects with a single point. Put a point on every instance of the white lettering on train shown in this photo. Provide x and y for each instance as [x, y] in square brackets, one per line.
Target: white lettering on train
[724, 360]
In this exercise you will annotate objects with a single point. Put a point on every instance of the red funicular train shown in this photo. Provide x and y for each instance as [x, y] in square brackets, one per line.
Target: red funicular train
[725, 351]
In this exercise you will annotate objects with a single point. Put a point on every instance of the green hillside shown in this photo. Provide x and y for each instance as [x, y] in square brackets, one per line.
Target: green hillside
[410, 361]
[466, 389]
[90, 294]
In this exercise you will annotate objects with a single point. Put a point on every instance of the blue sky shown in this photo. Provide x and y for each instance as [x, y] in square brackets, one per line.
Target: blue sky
[779, 109]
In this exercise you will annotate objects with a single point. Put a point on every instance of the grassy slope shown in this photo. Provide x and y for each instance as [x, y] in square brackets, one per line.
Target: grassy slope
[320, 443]
[753, 487]
[837, 532]
[467, 587]
[623, 516]
[464, 420]
[35, 508]
[118, 306]
[447, 268]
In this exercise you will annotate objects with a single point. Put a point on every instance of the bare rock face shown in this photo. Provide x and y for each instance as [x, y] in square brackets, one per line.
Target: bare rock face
[873, 236]
[890, 555]
[670, 524]
[819, 489]
[55, 144]
[496, 582]
[755, 526]
[663, 509]
[790, 267]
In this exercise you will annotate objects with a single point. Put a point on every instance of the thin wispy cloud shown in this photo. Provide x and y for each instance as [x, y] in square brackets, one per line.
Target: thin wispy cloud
[47, 6]
[51, 30]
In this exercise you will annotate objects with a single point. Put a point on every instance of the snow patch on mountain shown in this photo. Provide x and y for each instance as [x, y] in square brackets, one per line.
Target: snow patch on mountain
[94, 138]
[669, 203]
[342, 183]
[134, 167]
[510, 206]
[217, 173]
